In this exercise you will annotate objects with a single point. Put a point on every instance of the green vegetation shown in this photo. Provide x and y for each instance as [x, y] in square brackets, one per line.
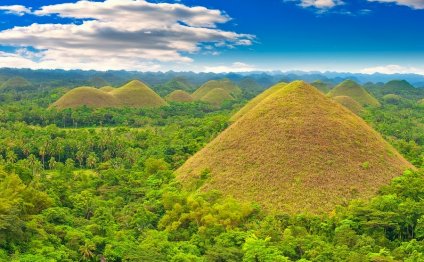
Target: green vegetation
[262, 156]
[355, 91]
[133, 94]
[179, 96]
[350, 104]
[106, 191]
[225, 84]
[392, 99]
[16, 83]
[98, 82]
[398, 87]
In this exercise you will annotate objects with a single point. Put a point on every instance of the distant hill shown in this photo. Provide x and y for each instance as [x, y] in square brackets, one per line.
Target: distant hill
[98, 82]
[16, 83]
[137, 94]
[250, 85]
[86, 96]
[355, 91]
[216, 97]
[349, 103]
[402, 88]
[107, 88]
[225, 84]
[321, 86]
[296, 151]
[255, 101]
[133, 94]
[179, 96]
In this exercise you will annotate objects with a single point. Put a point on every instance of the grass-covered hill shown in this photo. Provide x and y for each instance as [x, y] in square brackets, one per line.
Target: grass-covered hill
[137, 94]
[133, 94]
[255, 101]
[179, 96]
[392, 99]
[216, 97]
[402, 88]
[250, 85]
[225, 84]
[355, 91]
[296, 151]
[321, 86]
[349, 103]
[107, 88]
[98, 82]
[86, 96]
[15, 83]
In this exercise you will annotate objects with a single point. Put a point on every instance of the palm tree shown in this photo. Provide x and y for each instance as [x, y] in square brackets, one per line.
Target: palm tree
[87, 251]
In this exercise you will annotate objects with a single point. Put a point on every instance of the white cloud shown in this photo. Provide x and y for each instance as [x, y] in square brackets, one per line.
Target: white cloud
[320, 4]
[15, 9]
[393, 69]
[122, 34]
[414, 4]
[234, 67]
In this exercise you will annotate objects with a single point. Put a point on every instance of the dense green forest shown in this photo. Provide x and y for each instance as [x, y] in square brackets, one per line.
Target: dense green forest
[98, 185]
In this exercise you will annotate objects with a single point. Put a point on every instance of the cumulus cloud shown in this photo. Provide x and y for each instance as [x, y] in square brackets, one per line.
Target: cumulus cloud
[414, 4]
[234, 67]
[15, 9]
[393, 69]
[320, 4]
[122, 34]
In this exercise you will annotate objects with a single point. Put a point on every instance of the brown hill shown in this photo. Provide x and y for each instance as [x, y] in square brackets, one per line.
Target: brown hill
[349, 103]
[255, 101]
[225, 84]
[137, 94]
[133, 94]
[355, 91]
[296, 151]
[179, 96]
[86, 96]
[107, 88]
[216, 97]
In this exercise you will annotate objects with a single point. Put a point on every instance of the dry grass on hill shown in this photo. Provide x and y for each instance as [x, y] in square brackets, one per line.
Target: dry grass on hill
[355, 91]
[296, 151]
[349, 103]
[133, 94]
[225, 84]
[179, 96]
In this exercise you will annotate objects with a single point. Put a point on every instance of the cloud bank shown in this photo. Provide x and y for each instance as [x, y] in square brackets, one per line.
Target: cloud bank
[414, 4]
[118, 34]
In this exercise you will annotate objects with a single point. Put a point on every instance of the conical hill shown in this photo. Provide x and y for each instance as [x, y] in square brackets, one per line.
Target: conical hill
[355, 91]
[179, 96]
[296, 151]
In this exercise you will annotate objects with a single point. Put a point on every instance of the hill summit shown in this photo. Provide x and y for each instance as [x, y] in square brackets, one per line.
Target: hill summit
[179, 96]
[225, 84]
[355, 91]
[133, 94]
[295, 151]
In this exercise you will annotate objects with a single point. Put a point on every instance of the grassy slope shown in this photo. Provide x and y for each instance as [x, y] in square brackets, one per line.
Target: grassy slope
[15, 83]
[216, 97]
[296, 151]
[225, 84]
[107, 88]
[349, 103]
[355, 91]
[137, 94]
[321, 86]
[88, 96]
[179, 96]
[133, 94]
[255, 101]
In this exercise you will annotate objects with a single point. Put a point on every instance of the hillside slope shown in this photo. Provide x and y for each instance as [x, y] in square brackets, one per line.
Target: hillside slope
[137, 94]
[225, 84]
[296, 151]
[16, 83]
[349, 103]
[216, 97]
[355, 91]
[86, 96]
[255, 101]
[179, 96]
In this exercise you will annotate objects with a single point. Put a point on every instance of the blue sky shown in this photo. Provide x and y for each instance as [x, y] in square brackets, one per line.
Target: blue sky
[208, 35]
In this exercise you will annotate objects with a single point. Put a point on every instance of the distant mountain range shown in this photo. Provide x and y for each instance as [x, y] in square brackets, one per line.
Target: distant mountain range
[73, 78]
